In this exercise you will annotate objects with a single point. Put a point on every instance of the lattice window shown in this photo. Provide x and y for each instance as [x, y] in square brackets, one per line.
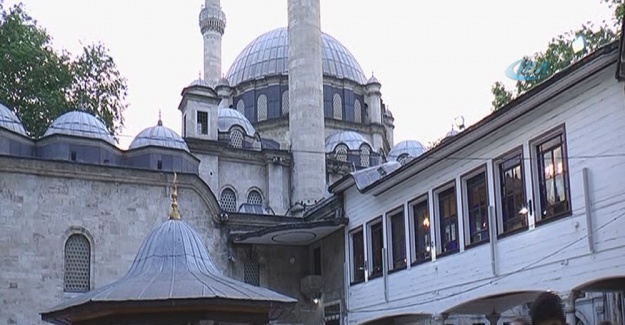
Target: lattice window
[251, 270]
[261, 106]
[340, 152]
[77, 276]
[285, 102]
[236, 138]
[365, 153]
[254, 197]
[241, 106]
[228, 200]
[337, 107]
[357, 112]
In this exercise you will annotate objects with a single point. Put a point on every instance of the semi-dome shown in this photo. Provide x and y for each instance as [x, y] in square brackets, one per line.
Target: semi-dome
[228, 117]
[159, 136]
[9, 121]
[267, 55]
[80, 124]
[406, 149]
[353, 140]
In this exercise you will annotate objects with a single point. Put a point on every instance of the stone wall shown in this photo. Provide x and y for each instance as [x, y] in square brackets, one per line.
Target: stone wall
[43, 203]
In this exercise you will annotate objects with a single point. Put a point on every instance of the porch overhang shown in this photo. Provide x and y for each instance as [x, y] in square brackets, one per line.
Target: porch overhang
[296, 234]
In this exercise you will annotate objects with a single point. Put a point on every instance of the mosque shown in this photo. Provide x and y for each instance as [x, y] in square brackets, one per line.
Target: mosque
[264, 152]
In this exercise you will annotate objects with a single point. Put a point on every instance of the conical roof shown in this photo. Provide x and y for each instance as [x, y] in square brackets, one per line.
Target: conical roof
[174, 266]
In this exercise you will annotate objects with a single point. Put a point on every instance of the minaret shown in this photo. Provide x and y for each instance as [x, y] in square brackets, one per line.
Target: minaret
[306, 119]
[212, 26]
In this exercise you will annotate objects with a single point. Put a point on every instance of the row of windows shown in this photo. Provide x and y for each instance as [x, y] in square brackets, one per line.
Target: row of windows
[433, 219]
[262, 107]
[228, 199]
[341, 152]
[236, 137]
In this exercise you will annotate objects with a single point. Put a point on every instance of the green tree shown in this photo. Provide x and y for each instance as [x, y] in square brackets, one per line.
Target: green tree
[40, 84]
[559, 53]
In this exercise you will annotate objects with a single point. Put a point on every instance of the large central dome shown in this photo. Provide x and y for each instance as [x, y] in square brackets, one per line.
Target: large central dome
[267, 55]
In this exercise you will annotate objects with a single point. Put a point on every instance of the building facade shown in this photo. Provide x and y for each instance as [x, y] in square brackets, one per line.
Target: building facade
[522, 202]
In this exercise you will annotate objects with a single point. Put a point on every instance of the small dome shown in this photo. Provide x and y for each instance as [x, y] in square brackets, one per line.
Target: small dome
[406, 149]
[353, 140]
[373, 80]
[9, 121]
[199, 82]
[229, 117]
[451, 133]
[223, 81]
[159, 136]
[80, 124]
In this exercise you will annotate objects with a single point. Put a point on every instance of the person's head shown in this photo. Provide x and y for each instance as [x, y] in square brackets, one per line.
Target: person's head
[547, 309]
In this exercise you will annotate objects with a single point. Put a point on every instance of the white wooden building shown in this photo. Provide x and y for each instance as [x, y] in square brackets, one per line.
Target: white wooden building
[529, 199]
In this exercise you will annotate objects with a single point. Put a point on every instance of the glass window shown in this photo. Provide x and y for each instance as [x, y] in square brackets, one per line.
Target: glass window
[477, 208]
[365, 153]
[337, 107]
[316, 261]
[512, 193]
[398, 240]
[448, 221]
[202, 122]
[553, 180]
[261, 107]
[340, 152]
[376, 243]
[421, 224]
[228, 200]
[358, 256]
[254, 197]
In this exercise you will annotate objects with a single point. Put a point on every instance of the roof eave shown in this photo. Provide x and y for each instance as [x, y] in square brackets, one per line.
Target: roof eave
[553, 86]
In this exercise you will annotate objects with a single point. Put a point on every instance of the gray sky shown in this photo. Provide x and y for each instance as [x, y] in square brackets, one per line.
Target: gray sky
[435, 59]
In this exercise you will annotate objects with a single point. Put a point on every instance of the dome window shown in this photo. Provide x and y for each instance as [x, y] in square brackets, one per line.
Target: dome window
[261, 107]
[285, 102]
[236, 138]
[357, 112]
[341, 152]
[228, 200]
[365, 154]
[77, 277]
[241, 107]
[337, 107]
[403, 158]
[255, 198]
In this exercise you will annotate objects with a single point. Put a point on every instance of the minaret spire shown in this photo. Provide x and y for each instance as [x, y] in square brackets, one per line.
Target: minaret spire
[212, 26]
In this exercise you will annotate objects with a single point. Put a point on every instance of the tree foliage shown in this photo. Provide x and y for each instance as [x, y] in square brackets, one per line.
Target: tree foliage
[559, 53]
[40, 84]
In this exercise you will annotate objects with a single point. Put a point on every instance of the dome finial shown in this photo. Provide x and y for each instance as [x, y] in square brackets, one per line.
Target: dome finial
[160, 121]
[174, 214]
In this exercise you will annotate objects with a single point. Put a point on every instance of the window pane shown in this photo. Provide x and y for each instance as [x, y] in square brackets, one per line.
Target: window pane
[512, 194]
[553, 179]
[358, 258]
[398, 241]
[448, 221]
[376, 249]
[421, 215]
[477, 205]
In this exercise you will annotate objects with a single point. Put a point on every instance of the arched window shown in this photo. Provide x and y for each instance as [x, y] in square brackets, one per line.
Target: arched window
[228, 200]
[251, 270]
[357, 112]
[365, 153]
[337, 107]
[236, 138]
[77, 277]
[254, 197]
[241, 106]
[403, 158]
[285, 102]
[261, 106]
[340, 152]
